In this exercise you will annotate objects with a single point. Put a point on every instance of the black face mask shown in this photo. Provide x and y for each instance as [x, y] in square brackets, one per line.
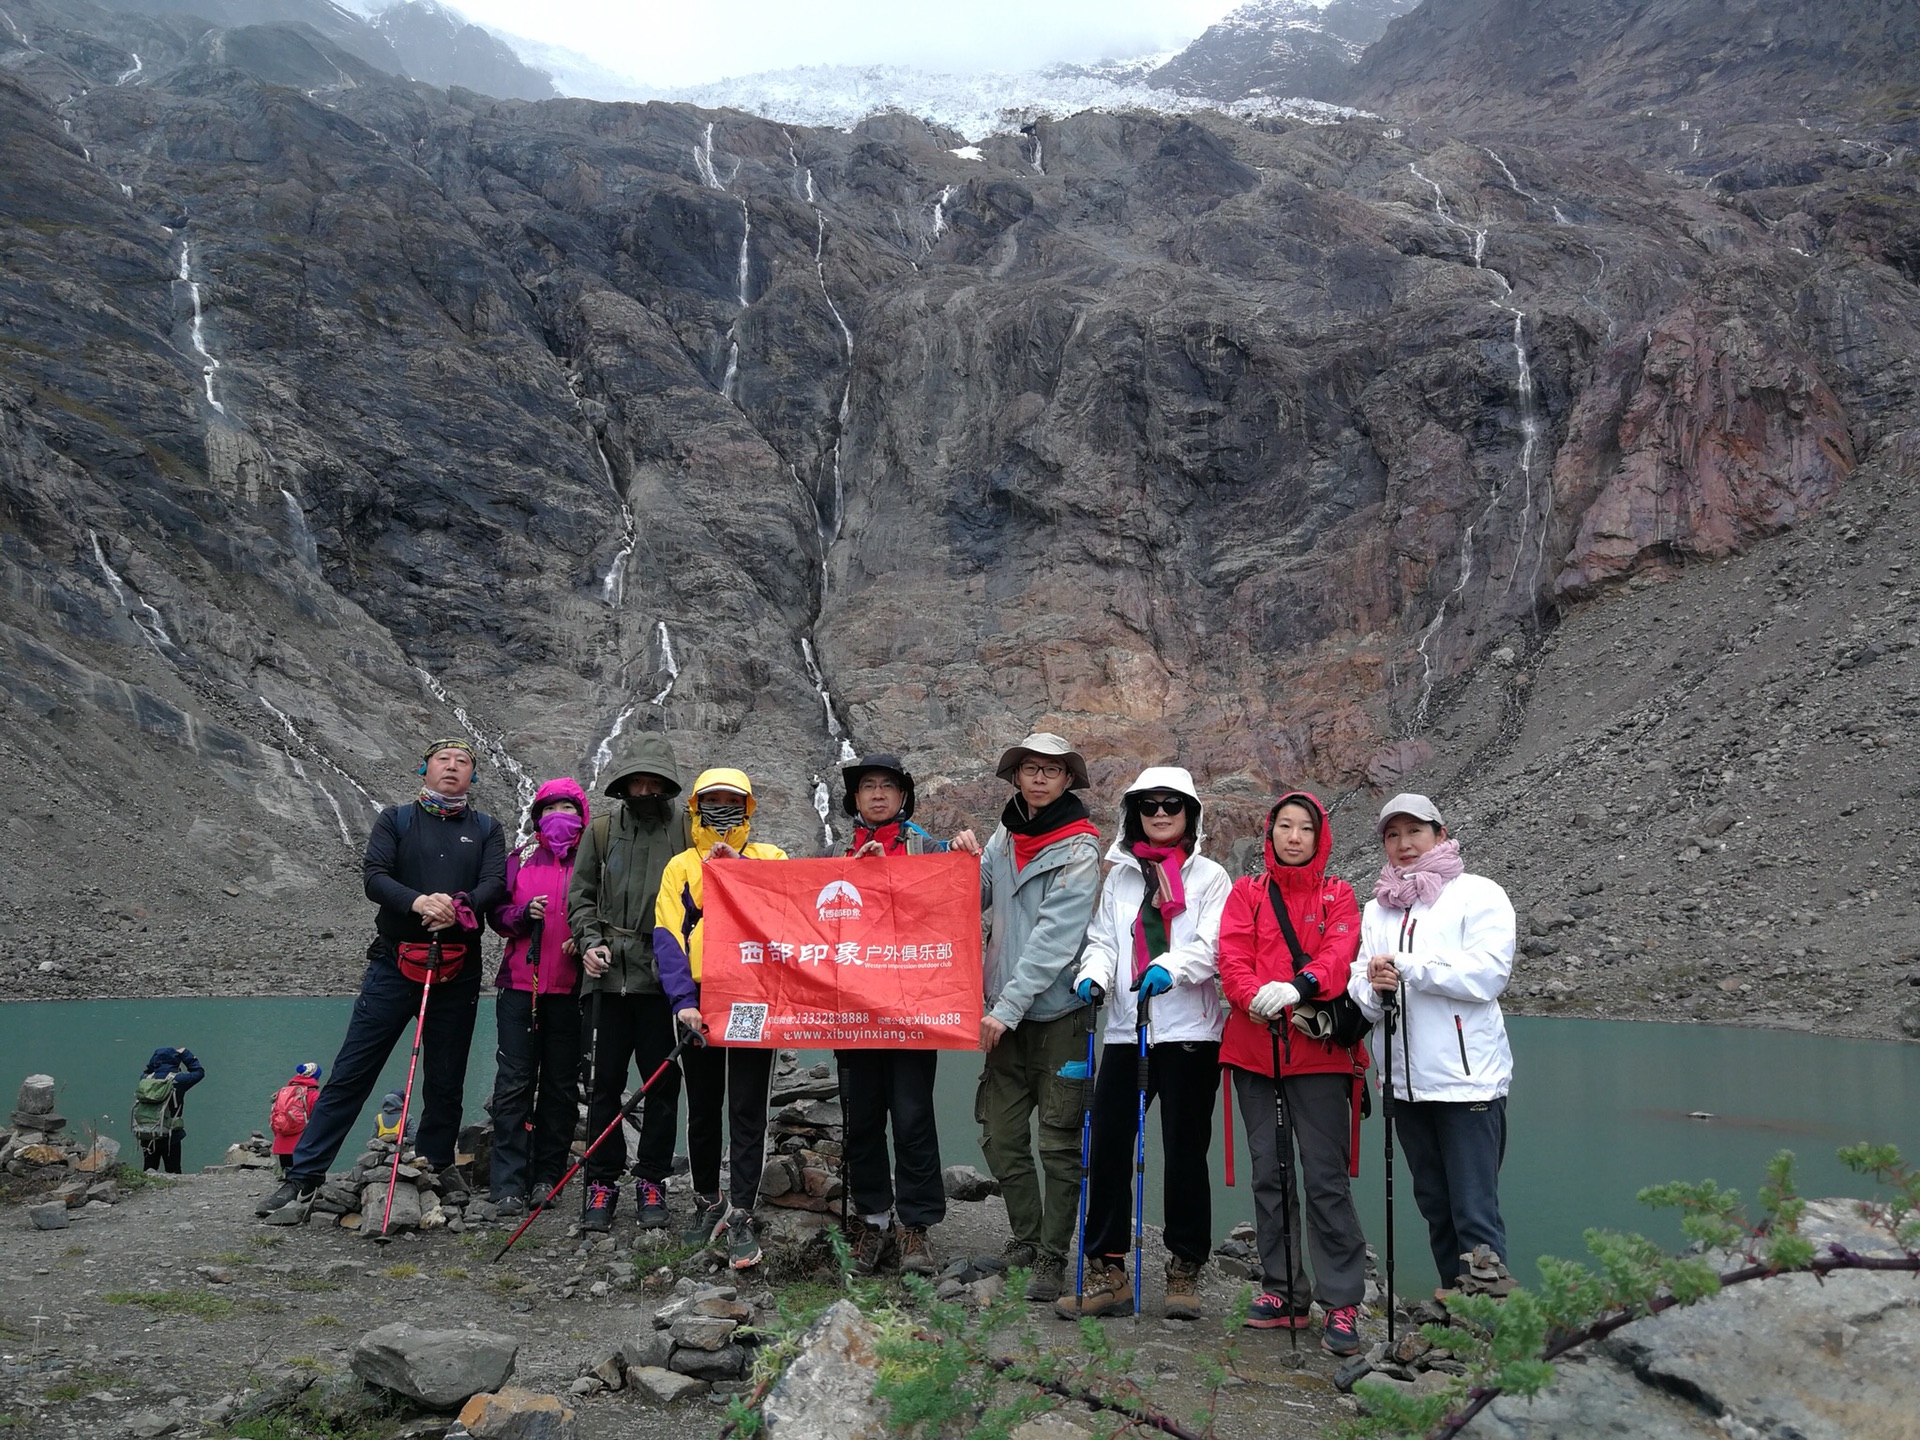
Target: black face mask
[649, 809]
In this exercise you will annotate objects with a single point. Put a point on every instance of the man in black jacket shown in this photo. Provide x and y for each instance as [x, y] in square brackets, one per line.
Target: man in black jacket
[434, 866]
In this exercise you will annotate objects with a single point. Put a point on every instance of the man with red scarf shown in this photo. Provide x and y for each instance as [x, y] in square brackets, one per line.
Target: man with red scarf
[878, 1085]
[1039, 879]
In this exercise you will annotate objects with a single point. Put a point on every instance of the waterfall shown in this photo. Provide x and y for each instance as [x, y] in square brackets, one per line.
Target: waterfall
[823, 807]
[603, 752]
[613, 584]
[1433, 628]
[1530, 438]
[835, 731]
[703, 161]
[1038, 168]
[495, 752]
[733, 370]
[746, 235]
[820, 268]
[1446, 218]
[145, 618]
[1559, 218]
[303, 544]
[667, 664]
[300, 773]
[199, 330]
[940, 213]
[293, 734]
[1518, 188]
[126, 75]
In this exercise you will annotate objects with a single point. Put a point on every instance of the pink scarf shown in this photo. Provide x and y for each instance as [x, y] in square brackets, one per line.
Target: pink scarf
[1166, 890]
[1421, 882]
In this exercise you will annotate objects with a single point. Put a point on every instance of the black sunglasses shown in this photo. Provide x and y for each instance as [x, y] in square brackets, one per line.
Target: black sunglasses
[1160, 804]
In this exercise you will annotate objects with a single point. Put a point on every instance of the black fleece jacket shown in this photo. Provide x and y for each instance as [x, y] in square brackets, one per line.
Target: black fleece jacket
[464, 854]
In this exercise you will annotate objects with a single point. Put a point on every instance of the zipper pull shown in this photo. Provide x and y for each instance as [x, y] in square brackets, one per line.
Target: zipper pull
[1460, 1034]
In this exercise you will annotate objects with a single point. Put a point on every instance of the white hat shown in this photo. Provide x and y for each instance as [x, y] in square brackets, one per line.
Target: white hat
[1418, 806]
[1165, 777]
[1042, 745]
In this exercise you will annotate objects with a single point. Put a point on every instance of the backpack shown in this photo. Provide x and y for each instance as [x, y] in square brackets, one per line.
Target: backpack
[156, 1111]
[290, 1108]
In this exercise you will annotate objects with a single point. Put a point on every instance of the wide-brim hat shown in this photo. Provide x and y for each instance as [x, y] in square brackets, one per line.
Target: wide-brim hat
[850, 779]
[1041, 745]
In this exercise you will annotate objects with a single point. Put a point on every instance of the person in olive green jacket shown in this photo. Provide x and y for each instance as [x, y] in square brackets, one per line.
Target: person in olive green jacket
[616, 880]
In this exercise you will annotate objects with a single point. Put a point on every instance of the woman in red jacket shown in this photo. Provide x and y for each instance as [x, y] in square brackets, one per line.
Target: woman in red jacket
[1264, 974]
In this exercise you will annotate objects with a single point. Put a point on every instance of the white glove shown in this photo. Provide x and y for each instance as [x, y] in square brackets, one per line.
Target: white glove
[1272, 998]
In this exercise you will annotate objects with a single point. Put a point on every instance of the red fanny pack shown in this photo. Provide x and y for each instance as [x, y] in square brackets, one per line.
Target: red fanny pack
[416, 961]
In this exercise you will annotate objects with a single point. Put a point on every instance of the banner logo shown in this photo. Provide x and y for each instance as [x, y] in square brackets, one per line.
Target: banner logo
[839, 901]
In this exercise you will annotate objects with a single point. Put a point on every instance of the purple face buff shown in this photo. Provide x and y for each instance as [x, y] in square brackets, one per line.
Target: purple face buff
[561, 831]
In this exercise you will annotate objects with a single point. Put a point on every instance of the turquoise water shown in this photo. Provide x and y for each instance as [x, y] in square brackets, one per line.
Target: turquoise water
[1598, 1110]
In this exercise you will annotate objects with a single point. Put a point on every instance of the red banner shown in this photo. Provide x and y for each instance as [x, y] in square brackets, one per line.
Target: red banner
[861, 954]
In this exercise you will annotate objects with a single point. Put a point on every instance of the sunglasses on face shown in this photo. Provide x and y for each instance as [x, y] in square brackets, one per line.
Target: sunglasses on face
[1160, 804]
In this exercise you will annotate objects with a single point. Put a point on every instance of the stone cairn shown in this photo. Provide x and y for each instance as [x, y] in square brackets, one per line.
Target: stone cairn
[356, 1200]
[806, 1137]
[702, 1340]
[67, 1172]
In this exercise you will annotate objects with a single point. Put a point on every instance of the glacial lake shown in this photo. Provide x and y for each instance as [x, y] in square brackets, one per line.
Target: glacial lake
[1598, 1110]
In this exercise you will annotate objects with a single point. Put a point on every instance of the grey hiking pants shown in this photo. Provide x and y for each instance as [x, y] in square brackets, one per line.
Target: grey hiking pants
[1319, 1108]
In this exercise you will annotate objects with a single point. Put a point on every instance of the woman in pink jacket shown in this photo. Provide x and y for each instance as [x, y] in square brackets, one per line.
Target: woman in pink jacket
[536, 1081]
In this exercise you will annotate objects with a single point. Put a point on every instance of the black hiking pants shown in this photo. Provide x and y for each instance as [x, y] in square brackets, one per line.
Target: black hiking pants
[1183, 1076]
[881, 1085]
[736, 1081]
[162, 1153]
[536, 1091]
[636, 1029]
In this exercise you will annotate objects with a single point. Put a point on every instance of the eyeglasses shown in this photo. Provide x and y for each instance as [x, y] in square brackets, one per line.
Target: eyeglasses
[1160, 804]
[1035, 770]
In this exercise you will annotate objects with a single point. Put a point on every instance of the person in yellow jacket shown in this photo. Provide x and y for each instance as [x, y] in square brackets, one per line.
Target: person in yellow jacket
[735, 1079]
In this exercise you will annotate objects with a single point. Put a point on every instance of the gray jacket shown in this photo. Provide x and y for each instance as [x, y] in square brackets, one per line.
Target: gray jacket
[1036, 924]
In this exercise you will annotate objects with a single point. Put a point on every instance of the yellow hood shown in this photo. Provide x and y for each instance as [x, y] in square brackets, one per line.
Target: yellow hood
[705, 837]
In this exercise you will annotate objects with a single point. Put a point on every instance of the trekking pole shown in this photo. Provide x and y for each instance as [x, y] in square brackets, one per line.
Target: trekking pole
[406, 1096]
[534, 941]
[1389, 1002]
[1086, 1155]
[593, 1078]
[626, 1114]
[1274, 1028]
[1140, 1158]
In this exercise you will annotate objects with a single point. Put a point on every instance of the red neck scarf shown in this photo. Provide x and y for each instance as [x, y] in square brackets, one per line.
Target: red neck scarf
[892, 836]
[1034, 831]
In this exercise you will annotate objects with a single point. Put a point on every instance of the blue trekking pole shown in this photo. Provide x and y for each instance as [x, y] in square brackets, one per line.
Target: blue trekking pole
[1140, 1159]
[1086, 1154]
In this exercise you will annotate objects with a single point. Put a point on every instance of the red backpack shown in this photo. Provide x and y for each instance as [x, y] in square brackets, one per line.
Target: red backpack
[290, 1108]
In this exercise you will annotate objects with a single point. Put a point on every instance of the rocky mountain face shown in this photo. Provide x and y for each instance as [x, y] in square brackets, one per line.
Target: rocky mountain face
[338, 411]
[444, 48]
[1280, 48]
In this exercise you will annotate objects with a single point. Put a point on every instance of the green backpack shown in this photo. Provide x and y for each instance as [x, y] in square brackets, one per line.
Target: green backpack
[156, 1112]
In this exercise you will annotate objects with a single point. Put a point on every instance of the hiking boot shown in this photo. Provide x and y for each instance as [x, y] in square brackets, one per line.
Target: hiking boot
[652, 1201]
[601, 1200]
[1340, 1332]
[1270, 1312]
[297, 1194]
[708, 1212]
[743, 1246]
[510, 1208]
[1019, 1255]
[1106, 1291]
[916, 1252]
[1048, 1279]
[873, 1249]
[1183, 1289]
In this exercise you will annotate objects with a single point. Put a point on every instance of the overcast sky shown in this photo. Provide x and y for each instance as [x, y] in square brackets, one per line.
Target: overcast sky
[689, 44]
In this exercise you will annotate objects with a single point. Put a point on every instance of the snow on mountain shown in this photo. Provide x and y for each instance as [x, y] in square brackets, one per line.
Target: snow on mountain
[1280, 47]
[974, 105]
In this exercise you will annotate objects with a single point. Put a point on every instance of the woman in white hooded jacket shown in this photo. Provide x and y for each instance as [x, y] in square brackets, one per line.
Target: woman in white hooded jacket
[1157, 939]
[1440, 942]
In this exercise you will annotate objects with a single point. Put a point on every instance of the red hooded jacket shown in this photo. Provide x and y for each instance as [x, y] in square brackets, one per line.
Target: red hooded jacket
[1253, 950]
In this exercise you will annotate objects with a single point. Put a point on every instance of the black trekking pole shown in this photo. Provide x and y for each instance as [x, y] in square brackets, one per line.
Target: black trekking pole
[1389, 1002]
[1141, 1074]
[1086, 1155]
[533, 951]
[593, 1077]
[627, 1113]
[1274, 1028]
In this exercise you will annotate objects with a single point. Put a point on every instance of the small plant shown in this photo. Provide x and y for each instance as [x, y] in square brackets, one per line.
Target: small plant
[73, 1252]
[174, 1302]
[133, 1179]
[268, 1239]
[402, 1271]
[325, 1321]
[456, 1272]
[307, 1285]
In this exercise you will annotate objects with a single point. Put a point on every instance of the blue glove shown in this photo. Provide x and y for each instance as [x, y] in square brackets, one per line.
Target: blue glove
[1156, 981]
[1090, 993]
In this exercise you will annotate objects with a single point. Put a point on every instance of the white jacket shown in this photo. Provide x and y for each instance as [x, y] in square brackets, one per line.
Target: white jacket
[1450, 1042]
[1191, 1009]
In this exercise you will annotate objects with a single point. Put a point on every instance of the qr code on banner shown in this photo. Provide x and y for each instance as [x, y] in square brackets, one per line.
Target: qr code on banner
[746, 1022]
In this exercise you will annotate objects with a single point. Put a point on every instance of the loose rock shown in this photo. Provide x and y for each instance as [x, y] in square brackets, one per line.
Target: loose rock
[438, 1368]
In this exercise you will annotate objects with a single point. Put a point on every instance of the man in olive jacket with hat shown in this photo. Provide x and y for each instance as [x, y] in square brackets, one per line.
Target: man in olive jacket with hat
[616, 880]
[1039, 882]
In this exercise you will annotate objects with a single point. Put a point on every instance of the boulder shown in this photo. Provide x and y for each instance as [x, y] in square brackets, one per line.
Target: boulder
[50, 1216]
[608, 1367]
[648, 1350]
[827, 1392]
[438, 1368]
[666, 1386]
[702, 1332]
[150, 1424]
[729, 1362]
[963, 1182]
[373, 1206]
[515, 1414]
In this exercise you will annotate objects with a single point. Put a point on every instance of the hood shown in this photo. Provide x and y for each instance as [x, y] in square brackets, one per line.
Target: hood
[1163, 777]
[391, 1102]
[165, 1058]
[645, 752]
[562, 788]
[705, 837]
[1315, 869]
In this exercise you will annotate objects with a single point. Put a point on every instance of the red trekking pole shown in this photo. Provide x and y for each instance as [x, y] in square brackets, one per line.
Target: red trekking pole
[626, 1114]
[406, 1096]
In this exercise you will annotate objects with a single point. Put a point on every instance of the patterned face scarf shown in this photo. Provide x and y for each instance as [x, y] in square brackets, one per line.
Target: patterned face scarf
[445, 807]
[723, 816]
[1166, 897]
